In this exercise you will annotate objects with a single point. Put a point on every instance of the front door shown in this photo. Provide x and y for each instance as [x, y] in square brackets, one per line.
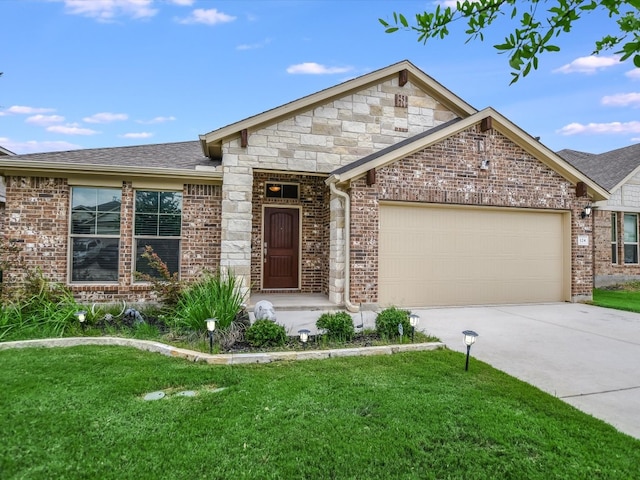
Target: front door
[281, 248]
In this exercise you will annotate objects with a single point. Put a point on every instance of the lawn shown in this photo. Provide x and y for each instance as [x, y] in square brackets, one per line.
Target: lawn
[622, 297]
[79, 413]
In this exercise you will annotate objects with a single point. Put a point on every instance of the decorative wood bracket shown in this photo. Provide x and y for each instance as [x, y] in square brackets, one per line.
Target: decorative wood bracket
[371, 177]
[244, 138]
[486, 124]
[581, 189]
[403, 77]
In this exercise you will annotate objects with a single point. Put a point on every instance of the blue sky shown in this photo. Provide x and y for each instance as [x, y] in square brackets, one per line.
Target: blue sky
[104, 73]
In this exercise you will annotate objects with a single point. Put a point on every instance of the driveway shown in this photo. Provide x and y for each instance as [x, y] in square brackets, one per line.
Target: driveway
[587, 356]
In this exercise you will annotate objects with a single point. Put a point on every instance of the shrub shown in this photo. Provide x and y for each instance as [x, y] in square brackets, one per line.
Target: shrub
[387, 322]
[265, 333]
[215, 296]
[165, 284]
[339, 325]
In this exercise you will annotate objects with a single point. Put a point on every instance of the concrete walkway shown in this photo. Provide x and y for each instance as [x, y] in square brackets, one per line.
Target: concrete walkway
[585, 355]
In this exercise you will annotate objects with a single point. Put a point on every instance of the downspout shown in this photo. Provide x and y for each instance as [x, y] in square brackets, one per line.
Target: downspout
[347, 246]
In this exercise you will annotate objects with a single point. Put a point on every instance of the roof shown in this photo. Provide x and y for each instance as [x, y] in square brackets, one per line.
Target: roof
[167, 159]
[212, 141]
[441, 132]
[609, 169]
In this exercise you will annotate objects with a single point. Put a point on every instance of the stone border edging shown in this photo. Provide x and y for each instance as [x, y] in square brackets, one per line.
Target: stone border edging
[224, 358]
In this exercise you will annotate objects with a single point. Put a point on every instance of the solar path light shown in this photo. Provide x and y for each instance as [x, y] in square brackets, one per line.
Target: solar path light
[304, 336]
[211, 326]
[413, 321]
[469, 339]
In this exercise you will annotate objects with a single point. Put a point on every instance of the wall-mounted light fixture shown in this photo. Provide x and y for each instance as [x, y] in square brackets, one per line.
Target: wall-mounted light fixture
[586, 212]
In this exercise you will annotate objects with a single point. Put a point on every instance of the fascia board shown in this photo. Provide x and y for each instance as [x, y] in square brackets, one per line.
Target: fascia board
[443, 95]
[48, 169]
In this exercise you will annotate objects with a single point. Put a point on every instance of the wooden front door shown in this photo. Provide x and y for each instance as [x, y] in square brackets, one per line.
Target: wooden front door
[281, 248]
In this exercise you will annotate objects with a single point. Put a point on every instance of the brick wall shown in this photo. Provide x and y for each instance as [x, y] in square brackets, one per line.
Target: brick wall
[607, 272]
[449, 173]
[37, 216]
[314, 201]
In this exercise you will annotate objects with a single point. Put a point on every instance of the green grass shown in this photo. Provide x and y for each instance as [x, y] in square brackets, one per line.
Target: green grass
[625, 298]
[78, 413]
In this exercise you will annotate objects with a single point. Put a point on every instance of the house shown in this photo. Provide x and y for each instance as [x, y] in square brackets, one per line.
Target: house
[616, 224]
[3, 151]
[386, 189]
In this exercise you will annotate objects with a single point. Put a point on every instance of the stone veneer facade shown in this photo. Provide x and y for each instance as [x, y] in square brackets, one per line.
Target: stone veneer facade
[37, 216]
[448, 173]
[316, 141]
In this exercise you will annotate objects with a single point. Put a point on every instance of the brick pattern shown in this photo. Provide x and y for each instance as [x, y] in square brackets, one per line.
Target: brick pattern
[313, 200]
[37, 215]
[449, 173]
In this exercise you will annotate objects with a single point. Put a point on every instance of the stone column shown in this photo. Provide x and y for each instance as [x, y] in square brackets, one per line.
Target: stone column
[336, 250]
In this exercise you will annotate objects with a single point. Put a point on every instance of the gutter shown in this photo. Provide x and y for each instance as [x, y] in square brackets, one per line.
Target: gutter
[347, 244]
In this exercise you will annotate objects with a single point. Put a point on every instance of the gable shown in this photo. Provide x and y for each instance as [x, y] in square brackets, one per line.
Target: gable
[396, 77]
[489, 122]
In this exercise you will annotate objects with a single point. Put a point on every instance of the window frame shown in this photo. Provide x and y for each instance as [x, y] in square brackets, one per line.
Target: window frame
[93, 238]
[615, 238]
[137, 237]
[631, 243]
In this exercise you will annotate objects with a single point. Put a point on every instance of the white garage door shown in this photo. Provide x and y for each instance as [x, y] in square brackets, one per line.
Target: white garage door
[435, 255]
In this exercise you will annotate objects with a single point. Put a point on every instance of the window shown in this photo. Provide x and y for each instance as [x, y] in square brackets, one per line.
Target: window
[158, 224]
[630, 238]
[95, 234]
[614, 238]
[281, 190]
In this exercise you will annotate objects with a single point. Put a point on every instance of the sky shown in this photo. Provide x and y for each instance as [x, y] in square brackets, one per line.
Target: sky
[107, 73]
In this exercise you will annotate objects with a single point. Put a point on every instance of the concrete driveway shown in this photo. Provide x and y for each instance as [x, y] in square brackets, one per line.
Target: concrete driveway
[585, 355]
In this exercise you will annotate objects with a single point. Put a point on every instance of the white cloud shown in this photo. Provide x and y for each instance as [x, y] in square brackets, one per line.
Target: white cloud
[183, 3]
[71, 129]
[312, 68]
[137, 135]
[22, 110]
[600, 128]
[253, 46]
[108, 10]
[33, 146]
[157, 120]
[44, 120]
[588, 65]
[622, 100]
[208, 17]
[633, 74]
[106, 117]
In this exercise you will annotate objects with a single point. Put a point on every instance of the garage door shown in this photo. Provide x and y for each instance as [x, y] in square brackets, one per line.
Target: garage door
[435, 255]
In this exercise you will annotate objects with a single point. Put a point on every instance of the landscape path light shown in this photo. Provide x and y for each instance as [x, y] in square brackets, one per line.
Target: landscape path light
[81, 316]
[211, 326]
[413, 321]
[469, 339]
[304, 336]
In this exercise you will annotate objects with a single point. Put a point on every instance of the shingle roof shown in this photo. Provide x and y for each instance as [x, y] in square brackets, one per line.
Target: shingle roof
[607, 169]
[180, 155]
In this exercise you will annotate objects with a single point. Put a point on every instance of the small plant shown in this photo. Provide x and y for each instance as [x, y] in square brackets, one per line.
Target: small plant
[215, 296]
[227, 337]
[339, 326]
[388, 320]
[265, 333]
[167, 285]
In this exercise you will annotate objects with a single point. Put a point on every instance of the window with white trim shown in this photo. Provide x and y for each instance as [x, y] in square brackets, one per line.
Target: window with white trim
[158, 224]
[95, 234]
[614, 237]
[630, 238]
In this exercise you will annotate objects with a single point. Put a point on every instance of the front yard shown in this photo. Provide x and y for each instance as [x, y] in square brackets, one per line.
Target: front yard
[621, 297]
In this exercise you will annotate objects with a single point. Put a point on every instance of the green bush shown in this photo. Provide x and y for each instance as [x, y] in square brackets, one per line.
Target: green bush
[339, 325]
[214, 296]
[265, 333]
[388, 320]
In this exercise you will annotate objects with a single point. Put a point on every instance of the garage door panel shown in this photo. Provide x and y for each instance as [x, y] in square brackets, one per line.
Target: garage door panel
[434, 255]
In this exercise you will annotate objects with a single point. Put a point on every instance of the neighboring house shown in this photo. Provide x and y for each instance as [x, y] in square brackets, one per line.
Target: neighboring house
[616, 220]
[383, 190]
[3, 152]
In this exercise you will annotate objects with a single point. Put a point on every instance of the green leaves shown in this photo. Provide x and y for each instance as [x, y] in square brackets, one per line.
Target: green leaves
[536, 27]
